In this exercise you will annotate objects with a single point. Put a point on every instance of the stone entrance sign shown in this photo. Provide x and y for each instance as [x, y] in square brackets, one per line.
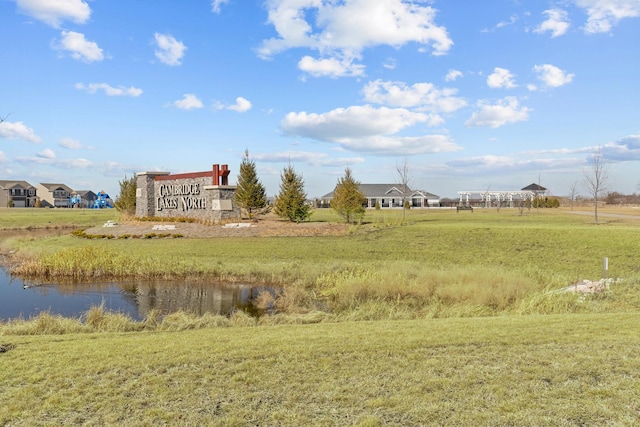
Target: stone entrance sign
[205, 196]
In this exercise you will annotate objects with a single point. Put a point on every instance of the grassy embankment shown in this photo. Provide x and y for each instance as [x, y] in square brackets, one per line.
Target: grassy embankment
[566, 369]
[438, 264]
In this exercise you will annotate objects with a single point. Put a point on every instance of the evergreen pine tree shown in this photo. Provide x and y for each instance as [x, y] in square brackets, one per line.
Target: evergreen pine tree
[250, 193]
[348, 201]
[291, 202]
[126, 200]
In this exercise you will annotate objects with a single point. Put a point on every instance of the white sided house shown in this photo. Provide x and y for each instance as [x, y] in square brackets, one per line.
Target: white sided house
[391, 196]
[54, 195]
[204, 196]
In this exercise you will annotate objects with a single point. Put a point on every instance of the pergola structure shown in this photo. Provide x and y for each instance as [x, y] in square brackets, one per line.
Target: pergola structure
[488, 197]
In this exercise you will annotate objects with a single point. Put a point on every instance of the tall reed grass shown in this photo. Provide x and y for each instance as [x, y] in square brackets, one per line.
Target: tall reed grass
[433, 264]
[360, 302]
[82, 263]
[416, 288]
[99, 319]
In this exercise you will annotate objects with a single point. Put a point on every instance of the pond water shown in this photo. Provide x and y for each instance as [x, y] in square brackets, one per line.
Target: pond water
[133, 298]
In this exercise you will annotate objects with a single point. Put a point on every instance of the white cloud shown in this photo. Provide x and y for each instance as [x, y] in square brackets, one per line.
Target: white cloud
[215, 5]
[286, 156]
[505, 23]
[169, 50]
[351, 122]
[512, 20]
[552, 76]
[389, 64]
[3, 157]
[109, 90]
[557, 23]
[453, 75]
[53, 12]
[242, 105]
[17, 130]
[71, 144]
[489, 160]
[367, 129]
[42, 159]
[556, 151]
[188, 102]
[81, 49]
[330, 67]
[503, 164]
[310, 158]
[604, 14]
[423, 96]
[626, 149]
[501, 78]
[507, 110]
[401, 146]
[344, 29]
[47, 153]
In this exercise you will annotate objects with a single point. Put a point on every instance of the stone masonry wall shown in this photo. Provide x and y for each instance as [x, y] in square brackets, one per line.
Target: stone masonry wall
[145, 193]
[184, 196]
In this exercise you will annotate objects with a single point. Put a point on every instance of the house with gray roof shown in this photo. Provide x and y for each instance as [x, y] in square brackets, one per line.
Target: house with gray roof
[537, 189]
[83, 199]
[18, 194]
[54, 195]
[391, 196]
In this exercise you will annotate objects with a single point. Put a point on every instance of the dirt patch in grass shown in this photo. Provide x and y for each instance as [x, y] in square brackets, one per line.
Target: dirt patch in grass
[262, 227]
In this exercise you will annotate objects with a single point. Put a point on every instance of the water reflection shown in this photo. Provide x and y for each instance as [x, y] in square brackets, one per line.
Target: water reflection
[198, 298]
[133, 298]
[35, 232]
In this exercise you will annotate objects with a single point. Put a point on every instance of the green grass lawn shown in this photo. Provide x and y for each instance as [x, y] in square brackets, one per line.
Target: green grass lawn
[35, 218]
[569, 370]
[436, 263]
[456, 339]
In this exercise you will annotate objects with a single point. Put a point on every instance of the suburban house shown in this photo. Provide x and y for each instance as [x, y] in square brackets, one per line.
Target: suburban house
[83, 199]
[54, 195]
[391, 196]
[19, 194]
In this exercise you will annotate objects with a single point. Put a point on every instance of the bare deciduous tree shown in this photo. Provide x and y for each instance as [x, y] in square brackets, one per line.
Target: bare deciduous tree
[595, 178]
[404, 173]
[573, 193]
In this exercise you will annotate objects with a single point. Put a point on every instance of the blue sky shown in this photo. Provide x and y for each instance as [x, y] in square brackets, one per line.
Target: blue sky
[475, 95]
